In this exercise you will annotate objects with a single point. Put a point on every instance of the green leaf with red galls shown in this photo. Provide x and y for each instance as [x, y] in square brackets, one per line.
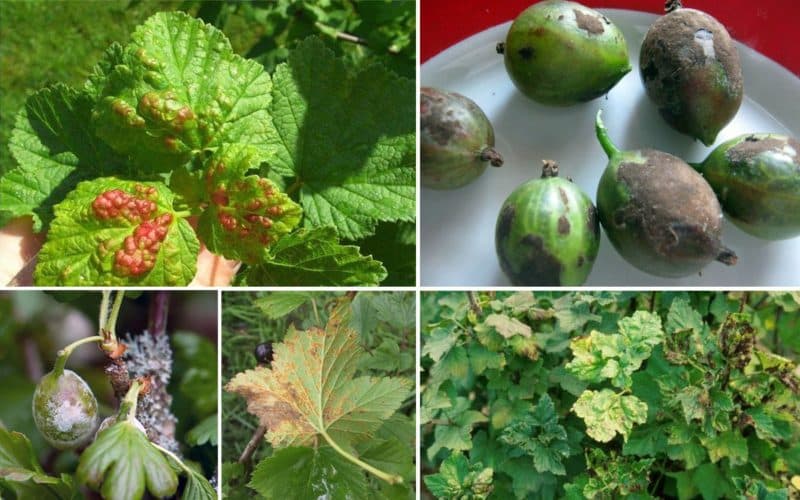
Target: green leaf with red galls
[116, 232]
[177, 88]
[246, 214]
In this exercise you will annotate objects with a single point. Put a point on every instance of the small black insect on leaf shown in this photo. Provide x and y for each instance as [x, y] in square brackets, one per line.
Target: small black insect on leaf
[263, 353]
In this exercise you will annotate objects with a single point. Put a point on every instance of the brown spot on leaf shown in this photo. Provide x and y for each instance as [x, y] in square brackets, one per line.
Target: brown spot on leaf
[588, 22]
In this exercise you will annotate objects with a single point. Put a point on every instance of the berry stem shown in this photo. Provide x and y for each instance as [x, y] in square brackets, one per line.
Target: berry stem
[64, 353]
[491, 155]
[103, 316]
[549, 169]
[672, 5]
[389, 478]
[602, 136]
[727, 256]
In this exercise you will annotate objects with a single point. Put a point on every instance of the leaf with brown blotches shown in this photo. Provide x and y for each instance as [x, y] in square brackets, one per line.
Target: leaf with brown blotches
[311, 390]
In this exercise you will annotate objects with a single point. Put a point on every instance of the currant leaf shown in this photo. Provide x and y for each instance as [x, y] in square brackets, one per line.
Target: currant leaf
[607, 414]
[315, 473]
[347, 137]
[315, 257]
[177, 88]
[121, 463]
[110, 231]
[246, 214]
[55, 148]
[310, 390]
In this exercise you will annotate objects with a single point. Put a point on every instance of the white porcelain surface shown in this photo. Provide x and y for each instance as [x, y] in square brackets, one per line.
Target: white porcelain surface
[457, 227]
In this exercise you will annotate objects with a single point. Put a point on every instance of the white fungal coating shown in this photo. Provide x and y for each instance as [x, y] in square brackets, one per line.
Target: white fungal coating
[65, 410]
[705, 39]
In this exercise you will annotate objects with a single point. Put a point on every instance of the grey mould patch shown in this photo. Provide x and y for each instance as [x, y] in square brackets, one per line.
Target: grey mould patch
[152, 356]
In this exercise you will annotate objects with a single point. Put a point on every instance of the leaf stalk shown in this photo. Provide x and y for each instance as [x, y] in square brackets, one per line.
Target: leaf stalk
[389, 478]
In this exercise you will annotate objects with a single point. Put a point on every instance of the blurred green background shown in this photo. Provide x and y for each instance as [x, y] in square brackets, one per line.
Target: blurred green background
[43, 42]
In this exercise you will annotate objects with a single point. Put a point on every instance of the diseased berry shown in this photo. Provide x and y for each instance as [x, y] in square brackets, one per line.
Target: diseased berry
[457, 139]
[65, 410]
[691, 70]
[547, 232]
[263, 353]
[560, 53]
[659, 213]
[757, 180]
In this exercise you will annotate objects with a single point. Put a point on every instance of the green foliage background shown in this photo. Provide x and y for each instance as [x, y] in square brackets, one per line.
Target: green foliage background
[34, 35]
[610, 394]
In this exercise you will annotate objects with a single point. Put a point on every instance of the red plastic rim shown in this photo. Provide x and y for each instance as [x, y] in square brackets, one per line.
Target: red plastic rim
[768, 26]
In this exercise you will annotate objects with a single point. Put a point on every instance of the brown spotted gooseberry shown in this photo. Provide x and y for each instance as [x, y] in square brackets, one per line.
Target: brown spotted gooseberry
[691, 71]
[658, 212]
[547, 232]
[561, 53]
[757, 180]
[457, 139]
[64, 409]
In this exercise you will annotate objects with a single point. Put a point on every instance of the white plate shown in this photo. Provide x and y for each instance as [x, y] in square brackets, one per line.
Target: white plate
[457, 235]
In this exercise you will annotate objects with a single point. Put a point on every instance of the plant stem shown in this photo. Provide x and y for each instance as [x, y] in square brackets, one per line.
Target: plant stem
[252, 445]
[602, 136]
[127, 408]
[389, 478]
[743, 301]
[157, 315]
[316, 313]
[111, 326]
[473, 304]
[103, 316]
[64, 353]
[294, 187]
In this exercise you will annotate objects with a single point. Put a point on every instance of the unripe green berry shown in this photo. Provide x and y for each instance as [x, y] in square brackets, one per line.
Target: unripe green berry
[65, 410]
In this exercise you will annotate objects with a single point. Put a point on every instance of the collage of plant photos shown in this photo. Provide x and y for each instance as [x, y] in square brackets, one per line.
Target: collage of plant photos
[399, 250]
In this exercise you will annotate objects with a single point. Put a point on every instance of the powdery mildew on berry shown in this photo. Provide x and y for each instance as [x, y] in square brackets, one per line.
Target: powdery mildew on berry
[70, 415]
